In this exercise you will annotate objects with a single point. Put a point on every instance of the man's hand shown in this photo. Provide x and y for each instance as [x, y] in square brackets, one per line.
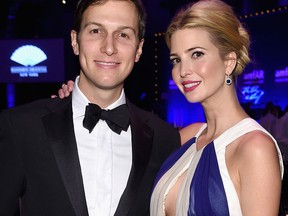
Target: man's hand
[65, 90]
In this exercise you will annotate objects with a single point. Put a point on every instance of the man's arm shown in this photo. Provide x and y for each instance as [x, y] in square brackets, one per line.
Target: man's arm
[12, 176]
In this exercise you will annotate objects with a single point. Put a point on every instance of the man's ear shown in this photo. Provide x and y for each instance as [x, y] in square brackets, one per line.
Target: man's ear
[230, 62]
[74, 42]
[139, 50]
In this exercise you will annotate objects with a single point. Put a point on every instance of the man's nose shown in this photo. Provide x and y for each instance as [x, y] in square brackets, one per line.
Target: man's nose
[109, 45]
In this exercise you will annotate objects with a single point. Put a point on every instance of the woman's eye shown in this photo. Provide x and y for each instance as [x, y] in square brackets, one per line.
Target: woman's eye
[197, 54]
[174, 61]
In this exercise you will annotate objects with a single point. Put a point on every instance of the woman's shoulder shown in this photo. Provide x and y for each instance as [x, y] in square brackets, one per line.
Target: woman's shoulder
[256, 141]
[190, 131]
[256, 147]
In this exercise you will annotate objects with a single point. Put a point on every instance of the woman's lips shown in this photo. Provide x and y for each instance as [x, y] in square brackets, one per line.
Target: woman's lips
[190, 85]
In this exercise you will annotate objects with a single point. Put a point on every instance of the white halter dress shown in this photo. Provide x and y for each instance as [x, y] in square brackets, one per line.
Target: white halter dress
[207, 188]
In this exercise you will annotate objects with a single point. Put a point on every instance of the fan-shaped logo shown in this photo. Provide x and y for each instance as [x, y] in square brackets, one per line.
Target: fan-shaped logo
[28, 56]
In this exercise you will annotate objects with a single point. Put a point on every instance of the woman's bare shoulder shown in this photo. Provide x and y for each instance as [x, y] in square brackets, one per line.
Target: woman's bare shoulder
[189, 131]
[257, 151]
[259, 173]
[256, 143]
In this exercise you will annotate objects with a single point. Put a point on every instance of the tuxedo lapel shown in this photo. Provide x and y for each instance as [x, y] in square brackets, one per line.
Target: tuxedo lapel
[60, 130]
[141, 150]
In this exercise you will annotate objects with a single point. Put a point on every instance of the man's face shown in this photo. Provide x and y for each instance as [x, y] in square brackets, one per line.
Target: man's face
[107, 45]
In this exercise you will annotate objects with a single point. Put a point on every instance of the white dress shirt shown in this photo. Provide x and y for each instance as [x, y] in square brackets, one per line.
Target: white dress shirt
[105, 158]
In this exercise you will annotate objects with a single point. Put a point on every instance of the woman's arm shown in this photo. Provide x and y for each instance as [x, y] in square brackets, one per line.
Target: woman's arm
[65, 90]
[259, 175]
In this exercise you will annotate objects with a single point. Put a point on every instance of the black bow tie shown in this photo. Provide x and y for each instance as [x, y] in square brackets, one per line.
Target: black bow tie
[117, 119]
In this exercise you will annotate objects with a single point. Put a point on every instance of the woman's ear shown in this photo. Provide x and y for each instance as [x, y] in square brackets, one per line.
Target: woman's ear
[230, 62]
[74, 42]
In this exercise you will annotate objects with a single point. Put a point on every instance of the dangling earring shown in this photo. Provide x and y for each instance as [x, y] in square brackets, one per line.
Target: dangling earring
[228, 80]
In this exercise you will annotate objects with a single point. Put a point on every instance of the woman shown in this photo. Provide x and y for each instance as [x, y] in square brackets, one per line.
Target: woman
[229, 165]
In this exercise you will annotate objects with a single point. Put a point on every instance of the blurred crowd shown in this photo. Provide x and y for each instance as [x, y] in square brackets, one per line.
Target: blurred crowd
[275, 121]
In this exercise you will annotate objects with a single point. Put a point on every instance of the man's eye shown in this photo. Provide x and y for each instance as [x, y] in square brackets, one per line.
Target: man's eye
[123, 35]
[95, 31]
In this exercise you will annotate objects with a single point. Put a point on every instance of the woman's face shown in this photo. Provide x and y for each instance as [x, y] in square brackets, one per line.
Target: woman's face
[198, 70]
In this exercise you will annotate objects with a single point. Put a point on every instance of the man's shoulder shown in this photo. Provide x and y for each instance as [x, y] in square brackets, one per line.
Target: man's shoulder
[149, 117]
[141, 113]
[38, 105]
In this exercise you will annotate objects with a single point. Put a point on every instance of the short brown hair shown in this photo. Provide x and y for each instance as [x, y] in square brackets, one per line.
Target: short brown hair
[84, 4]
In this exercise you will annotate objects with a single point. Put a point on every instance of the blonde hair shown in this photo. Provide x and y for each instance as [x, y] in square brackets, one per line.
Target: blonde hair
[220, 21]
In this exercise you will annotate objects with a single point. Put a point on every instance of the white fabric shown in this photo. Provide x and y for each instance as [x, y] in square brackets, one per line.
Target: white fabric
[243, 127]
[105, 158]
[189, 161]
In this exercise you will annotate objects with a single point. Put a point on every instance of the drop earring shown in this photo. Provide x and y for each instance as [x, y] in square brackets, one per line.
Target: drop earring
[228, 80]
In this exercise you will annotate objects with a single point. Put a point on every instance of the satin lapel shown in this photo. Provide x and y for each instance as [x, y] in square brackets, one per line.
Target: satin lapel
[59, 127]
[141, 149]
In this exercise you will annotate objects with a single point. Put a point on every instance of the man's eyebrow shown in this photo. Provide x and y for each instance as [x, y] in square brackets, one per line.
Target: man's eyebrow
[127, 27]
[92, 23]
[119, 28]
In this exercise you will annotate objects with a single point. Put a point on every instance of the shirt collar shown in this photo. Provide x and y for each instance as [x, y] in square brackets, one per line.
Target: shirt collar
[80, 101]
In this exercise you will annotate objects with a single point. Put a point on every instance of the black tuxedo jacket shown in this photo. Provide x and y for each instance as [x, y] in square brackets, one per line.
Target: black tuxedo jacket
[39, 164]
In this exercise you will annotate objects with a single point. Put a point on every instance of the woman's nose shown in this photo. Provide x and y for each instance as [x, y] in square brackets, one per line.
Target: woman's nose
[185, 70]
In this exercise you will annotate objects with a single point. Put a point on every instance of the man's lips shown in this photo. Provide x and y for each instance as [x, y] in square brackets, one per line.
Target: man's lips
[190, 86]
[106, 64]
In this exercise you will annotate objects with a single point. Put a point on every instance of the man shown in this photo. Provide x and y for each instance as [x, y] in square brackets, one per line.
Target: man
[54, 162]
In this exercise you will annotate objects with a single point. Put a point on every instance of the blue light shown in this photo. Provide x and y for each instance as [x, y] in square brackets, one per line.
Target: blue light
[10, 89]
[180, 112]
[252, 93]
[281, 75]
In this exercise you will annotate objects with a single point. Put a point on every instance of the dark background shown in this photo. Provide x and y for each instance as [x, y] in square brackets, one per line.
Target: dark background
[148, 85]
